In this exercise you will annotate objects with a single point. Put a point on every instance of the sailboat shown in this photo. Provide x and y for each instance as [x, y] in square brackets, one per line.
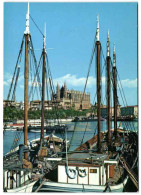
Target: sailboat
[25, 164]
[17, 170]
[106, 161]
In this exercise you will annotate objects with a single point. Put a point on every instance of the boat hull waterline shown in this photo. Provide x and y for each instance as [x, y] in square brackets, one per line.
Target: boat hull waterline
[63, 187]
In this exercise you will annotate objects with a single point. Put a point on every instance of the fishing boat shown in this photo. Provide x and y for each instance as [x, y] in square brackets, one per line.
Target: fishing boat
[24, 165]
[106, 162]
[87, 119]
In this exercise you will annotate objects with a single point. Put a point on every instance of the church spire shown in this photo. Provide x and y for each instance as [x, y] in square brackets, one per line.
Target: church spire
[58, 92]
[65, 90]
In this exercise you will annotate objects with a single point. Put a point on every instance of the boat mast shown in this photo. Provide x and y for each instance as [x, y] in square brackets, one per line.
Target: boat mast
[98, 46]
[43, 87]
[108, 59]
[26, 34]
[115, 92]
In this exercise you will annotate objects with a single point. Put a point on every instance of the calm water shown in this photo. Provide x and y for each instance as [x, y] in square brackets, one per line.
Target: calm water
[83, 132]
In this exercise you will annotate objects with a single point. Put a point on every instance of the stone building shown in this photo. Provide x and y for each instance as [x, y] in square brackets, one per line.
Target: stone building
[17, 105]
[71, 98]
[104, 111]
[37, 104]
[131, 111]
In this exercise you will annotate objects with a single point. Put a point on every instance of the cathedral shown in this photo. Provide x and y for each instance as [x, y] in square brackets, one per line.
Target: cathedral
[71, 98]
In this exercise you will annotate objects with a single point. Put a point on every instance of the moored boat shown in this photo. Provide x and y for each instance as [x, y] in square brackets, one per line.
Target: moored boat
[106, 161]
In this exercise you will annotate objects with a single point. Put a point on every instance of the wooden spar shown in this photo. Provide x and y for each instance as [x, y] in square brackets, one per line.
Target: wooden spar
[108, 92]
[43, 93]
[108, 101]
[98, 47]
[98, 95]
[26, 93]
[115, 92]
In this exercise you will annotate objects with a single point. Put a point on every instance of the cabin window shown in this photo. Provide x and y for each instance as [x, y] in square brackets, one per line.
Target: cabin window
[93, 170]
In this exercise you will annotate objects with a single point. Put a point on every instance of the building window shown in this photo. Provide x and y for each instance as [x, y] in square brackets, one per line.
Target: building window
[93, 170]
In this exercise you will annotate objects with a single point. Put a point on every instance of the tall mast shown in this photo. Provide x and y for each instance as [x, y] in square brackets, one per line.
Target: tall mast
[26, 70]
[108, 90]
[43, 86]
[115, 91]
[98, 46]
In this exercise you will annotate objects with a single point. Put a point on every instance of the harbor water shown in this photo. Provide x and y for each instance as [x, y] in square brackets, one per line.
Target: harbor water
[77, 133]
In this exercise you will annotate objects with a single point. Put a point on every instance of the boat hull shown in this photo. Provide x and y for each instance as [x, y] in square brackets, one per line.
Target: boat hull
[25, 188]
[63, 187]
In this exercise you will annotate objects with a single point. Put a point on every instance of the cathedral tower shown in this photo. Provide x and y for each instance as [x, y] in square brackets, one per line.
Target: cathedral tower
[65, 90]
[58, 92]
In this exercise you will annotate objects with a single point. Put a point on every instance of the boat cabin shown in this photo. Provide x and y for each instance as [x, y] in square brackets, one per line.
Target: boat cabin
[83, 168]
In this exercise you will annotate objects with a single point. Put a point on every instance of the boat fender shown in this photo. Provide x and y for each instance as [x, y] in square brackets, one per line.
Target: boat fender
[5, 189]
[39, 166]
[29, 177]
[12, 178]
[71, 171]
[82, 172]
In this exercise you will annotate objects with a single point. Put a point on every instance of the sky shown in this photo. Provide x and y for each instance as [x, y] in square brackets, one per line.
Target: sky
[70, 31]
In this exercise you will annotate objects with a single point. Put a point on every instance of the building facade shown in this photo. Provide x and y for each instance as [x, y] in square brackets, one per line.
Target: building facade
[37, 104]
[72, 98]
[130, 111]
[104, 111]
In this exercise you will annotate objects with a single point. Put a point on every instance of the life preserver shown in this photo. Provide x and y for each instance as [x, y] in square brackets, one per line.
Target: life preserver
[82, 173]
[68, 171]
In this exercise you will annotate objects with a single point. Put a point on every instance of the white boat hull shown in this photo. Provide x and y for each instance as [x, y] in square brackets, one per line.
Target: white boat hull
[64, 187]
[26, 188]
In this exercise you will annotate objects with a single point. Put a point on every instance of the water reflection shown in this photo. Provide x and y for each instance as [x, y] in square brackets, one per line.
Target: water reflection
[83, 132]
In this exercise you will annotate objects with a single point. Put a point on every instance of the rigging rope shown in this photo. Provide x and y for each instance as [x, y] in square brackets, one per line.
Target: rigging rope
[91, 60]
[89, 68]
[36, 25]
[15, 69]
[36, 66]
[37, 73]
[123, 98]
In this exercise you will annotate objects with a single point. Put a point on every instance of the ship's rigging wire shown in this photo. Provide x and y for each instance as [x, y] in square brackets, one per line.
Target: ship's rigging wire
[127, 125]
[89, 68]
[93, 51]
[36, 67]
[35, 76]
[21, 48]
[122, 96]
[49, 81]
[36, 25]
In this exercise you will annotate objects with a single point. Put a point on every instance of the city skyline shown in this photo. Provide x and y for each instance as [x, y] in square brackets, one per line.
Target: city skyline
[71, 29]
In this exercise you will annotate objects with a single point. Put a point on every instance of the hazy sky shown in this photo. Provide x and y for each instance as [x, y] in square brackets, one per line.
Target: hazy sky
[70, 32]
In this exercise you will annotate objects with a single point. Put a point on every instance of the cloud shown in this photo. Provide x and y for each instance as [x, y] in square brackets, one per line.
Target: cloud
[74, 81]
[8, 78]
[129, 83]
[22, 86]
[21, 77]
[34, 84]
[5, 83]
